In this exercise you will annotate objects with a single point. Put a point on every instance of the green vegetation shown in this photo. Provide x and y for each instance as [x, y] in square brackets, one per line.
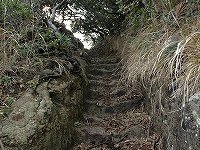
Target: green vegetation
[28, 35]
[137, 13]
[100, 17]
[165, 45]
[26, 41]
[77, 124]
[6, 80]
[161, 50]
[15, 13]
[94, 18]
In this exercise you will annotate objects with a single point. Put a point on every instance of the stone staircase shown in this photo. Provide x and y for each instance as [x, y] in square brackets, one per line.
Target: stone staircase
[114, 119]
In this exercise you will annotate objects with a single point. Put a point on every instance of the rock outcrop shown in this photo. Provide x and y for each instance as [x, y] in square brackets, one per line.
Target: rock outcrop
[180, 127]
[43, 118]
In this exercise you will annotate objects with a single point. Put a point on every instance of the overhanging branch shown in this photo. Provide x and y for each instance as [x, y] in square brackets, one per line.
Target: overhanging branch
[50, 21]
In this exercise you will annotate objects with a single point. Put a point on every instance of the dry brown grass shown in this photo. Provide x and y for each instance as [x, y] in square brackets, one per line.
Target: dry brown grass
[165, 56]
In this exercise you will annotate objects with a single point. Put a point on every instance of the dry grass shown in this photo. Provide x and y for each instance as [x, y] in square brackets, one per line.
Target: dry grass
[163, 56]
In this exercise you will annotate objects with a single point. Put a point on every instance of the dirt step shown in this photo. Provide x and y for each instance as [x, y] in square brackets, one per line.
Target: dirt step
[113, 67]
[99, 84]
[113, 129]
[118, 91]
[93, 94]
[99, 135]
[113, 92]
[112, 107]
[99, 72]
[98, 92]
[105, 60]
[97, 77]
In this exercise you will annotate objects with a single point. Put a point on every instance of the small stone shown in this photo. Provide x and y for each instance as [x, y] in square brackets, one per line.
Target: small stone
[100, 103]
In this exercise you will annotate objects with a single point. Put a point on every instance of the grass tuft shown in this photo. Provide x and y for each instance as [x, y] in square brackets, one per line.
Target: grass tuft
[167, 58]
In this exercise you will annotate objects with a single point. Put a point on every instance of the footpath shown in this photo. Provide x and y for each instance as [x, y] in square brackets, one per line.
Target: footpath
[115, 119]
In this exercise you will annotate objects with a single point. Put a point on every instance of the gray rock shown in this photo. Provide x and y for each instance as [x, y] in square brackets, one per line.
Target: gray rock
[191, 114]
[41, 122]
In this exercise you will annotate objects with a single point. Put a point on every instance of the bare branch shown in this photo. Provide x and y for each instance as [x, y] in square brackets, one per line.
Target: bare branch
[50, 21]
[54, 11]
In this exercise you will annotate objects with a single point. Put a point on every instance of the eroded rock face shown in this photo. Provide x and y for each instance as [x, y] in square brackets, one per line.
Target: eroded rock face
[191, 121]
[179, 126]
[44, 118]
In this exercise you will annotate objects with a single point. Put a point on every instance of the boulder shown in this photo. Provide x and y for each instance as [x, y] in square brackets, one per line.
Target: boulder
[43, 118]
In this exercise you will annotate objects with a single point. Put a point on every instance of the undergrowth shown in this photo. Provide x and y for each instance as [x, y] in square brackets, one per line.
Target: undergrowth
[26, 42]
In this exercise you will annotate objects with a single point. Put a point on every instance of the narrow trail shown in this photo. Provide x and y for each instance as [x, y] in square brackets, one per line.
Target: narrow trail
[115, 119]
